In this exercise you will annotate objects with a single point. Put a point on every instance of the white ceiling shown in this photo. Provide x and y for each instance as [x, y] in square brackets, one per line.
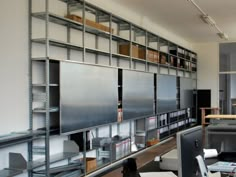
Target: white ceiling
[182, 18]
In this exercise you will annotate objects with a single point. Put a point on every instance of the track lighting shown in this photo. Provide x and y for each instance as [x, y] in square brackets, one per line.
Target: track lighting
[209, 20]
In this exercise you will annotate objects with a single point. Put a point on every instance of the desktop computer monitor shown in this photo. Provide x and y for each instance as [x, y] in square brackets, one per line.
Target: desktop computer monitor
[189, 145]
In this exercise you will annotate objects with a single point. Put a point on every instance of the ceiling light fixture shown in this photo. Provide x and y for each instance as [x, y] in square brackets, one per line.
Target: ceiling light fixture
[210, 21]
[223, 36]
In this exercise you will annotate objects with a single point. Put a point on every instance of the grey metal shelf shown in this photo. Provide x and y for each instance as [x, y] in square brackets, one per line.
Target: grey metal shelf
[44, 85]
[63, 168]
[120, 56]
[43, 110]
[18, 137]
[71, 23]
[10, 172]
[59, 20]
[97, 51]
[119, 19]
[53, 159]
[97, 31]
[164, 65]
[58, 43]
[64, 21]
[119, 38]
[101, 16]
[17, 161]
[155, 63]
[163, 52]
[152, 48]
[139, 59]
[139, 44]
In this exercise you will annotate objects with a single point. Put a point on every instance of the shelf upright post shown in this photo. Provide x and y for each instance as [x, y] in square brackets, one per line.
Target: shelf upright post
[110, 135]
[145, 130]
[110, 40]
[134, 39]
[177, 68]
[146, 44]
[168, 56]
[84, 152]
[130, 46]
[118, 128]
[158, 48]
[47, 122]
[130, 133]
[158, 126]
[68, 32]
[117, 48]
[83, 33]
[30, 143]
[96, 39]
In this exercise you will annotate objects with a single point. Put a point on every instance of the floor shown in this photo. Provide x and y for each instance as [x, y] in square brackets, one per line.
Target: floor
[147, 156]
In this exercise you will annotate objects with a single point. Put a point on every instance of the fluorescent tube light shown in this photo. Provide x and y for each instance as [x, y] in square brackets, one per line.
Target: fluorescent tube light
[223, 36]
[208, 20]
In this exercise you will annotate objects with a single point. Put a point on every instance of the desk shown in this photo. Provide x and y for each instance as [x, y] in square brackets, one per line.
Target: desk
[158, 174]
[220, 116]
[214, 110]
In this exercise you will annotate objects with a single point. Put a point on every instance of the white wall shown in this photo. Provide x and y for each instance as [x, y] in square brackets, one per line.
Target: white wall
[14, 66]
[14, 93]
[208, 69]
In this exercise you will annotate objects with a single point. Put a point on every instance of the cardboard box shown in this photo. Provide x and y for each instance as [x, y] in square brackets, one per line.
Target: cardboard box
[155, 57]
[163, 59]
[75, 18]
[91, 164]
[150, 55]
[152, 142]
[171, 60]
[119, 116]
[106, 28]
[124, 49]
[90, 23]
[142, 53]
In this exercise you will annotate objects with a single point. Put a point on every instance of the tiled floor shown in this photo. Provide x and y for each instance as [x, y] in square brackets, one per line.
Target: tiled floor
[147, 156]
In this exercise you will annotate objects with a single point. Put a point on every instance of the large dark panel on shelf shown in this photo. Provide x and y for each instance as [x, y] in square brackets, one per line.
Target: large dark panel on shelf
[186, 93]
[138, 94]
[88, 96]
[166, 93]
[202, 98]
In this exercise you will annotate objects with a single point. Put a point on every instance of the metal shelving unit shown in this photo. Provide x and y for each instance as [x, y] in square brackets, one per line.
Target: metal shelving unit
[45, 91]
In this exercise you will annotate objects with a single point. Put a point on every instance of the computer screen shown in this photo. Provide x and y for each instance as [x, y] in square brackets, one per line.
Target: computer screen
[189, 145]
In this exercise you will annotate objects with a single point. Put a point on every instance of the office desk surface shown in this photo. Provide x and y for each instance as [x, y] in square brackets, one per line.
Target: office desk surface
[158, 174]
[210, 108]
[220, 116]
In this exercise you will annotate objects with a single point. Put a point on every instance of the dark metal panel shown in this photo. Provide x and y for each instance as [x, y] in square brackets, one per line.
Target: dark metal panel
[186, 93]
[138, 94]
[88, 95]
[166, 93]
